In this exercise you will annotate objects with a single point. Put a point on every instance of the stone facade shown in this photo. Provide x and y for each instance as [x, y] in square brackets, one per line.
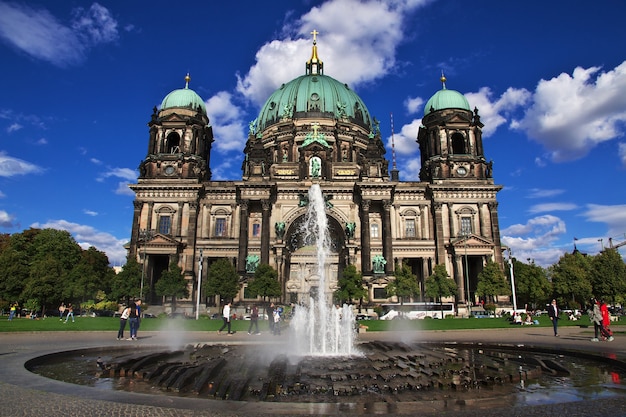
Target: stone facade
[449, 217]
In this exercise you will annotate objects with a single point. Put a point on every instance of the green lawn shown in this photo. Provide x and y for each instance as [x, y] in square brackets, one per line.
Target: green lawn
[206, 324]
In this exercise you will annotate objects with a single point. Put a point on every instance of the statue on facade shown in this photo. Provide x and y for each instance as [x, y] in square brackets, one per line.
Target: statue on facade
[279, 227]
[379, 264]
[350, 228]
[316, 167]
[252, 263]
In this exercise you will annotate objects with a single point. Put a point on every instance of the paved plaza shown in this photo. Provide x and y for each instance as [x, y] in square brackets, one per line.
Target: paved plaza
[25, 394]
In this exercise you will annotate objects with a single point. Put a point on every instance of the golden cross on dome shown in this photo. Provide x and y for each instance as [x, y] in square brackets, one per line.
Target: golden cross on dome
[315, 33]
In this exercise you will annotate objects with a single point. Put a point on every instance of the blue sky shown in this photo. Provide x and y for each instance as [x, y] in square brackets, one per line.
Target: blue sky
[79, 81]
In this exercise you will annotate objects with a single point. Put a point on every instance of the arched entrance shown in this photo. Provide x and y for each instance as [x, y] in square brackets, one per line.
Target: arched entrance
[302, 272]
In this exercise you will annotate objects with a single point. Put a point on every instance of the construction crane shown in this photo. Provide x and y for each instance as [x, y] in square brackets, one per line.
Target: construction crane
[617, 245]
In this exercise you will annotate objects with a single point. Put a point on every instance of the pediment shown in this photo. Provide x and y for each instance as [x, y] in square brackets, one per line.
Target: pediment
[161, 240]
[173, 117]
[471, 241]
[456, 118]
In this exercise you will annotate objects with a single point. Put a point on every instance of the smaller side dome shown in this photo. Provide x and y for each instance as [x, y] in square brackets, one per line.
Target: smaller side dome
[446, 99]
[183, 98]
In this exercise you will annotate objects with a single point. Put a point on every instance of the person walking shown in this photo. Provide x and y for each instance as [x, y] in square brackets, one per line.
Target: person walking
[61, 311]
[70, 313]
[254, 320]
[606, 322]
[553, 313]
[123, 319]
[595, 316]
[133, 320]
[12, 311]
[226, 317]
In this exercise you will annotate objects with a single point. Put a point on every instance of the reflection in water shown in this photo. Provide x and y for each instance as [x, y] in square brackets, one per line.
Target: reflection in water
[485, 377]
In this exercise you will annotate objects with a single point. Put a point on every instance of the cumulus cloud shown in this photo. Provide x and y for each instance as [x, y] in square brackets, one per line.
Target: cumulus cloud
[493, 113]
[535, 239]
[36, 32]
[87, 236]
[405, 141]
[10, 166]
[357, 50]
[571, 114]
[229, 127]
[414, 105]
[7, 221]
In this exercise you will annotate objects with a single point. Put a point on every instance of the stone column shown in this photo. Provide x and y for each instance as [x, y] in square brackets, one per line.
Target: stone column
[265, 232]
[134, 234]
[387, 238]
[366, 249]
[243, 236]
[439, 239]
[495, 231]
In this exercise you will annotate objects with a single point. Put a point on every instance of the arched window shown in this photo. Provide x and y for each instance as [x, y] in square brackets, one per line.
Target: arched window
[173, 143]
[374, 230]
[458, 144]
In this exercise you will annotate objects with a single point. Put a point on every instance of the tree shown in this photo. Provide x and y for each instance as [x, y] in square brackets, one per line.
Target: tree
[607, 274]
[491, 282]
[439, 285]
[350, 285]
[531, 284]
[570, 281]
[222, 280]
[127, 284]
[405, 283]
[172, 284]
[265, 282]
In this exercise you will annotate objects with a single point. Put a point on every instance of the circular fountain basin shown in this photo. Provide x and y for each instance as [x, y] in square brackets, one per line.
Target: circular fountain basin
[384, 377]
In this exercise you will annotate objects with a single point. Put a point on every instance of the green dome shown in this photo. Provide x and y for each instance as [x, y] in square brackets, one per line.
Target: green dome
[183, 98]
[446, 99]
[314, 95]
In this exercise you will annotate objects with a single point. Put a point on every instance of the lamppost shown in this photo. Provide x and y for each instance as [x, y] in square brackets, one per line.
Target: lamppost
[145, 236]
[512, 281]
[199, 282]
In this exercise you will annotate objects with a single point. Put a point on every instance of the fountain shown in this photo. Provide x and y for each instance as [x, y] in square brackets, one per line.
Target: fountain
[320, 328]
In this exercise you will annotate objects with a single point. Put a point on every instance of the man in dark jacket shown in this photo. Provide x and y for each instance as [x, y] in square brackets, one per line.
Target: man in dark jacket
[553, 313]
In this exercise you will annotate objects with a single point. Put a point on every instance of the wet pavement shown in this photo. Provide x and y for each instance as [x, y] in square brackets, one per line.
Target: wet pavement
[23, 393]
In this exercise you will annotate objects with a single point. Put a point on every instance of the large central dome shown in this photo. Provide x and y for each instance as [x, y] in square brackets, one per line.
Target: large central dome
[314, 95]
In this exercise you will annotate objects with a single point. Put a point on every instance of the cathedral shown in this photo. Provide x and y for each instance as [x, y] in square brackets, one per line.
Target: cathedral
[315, 130]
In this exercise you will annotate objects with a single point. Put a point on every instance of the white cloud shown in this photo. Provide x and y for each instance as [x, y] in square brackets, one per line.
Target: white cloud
[90, 212]
[571, 114]
[7, 220]
[405, 141]
[494, 113]
[534, 240]
[414, 105]
[87, 236]
[613, 216]
[42, 36]
[10, 166]
[541, 193]
[124, 173]
[14, 127]
[621, 150]
[123, 189]
[547, 207]
[355, 50]
[42, 141]
[228, 129]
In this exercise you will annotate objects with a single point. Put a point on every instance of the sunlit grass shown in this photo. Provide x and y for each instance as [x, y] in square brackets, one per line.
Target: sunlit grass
[205, 324]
